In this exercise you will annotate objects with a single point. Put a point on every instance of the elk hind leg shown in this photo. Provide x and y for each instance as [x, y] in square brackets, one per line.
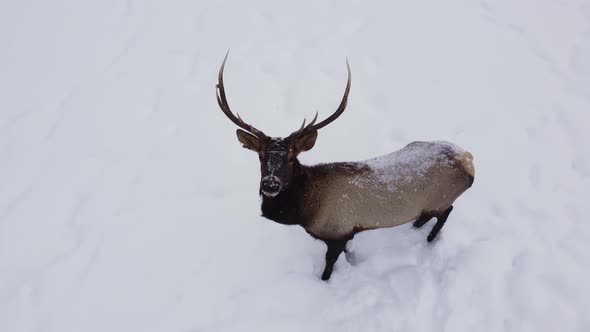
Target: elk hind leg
[422, 219]
[440, 222]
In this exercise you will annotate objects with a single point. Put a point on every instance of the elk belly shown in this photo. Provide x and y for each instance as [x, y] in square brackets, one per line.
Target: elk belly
[391, 190]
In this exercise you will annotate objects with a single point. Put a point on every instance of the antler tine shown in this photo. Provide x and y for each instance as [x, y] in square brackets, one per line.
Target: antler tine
[342, 106]
[223, 104]
[312, 126]
[302, 125]
[315, 118]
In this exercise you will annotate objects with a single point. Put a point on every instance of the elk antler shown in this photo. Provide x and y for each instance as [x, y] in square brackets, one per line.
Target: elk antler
[222, 101]
[312, 126]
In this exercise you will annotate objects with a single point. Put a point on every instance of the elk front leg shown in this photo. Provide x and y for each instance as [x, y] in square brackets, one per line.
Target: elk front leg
[335, 248]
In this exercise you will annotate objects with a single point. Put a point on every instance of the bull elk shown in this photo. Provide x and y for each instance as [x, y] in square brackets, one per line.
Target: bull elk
[334, 201]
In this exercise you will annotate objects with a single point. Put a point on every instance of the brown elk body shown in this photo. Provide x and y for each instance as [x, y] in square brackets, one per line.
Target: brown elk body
[334, 201]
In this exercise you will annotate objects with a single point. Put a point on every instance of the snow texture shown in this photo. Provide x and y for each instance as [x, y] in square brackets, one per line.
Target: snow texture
[127, 204]
[413, 161]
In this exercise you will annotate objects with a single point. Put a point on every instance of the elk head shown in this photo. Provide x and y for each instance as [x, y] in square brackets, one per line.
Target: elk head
[278, 156]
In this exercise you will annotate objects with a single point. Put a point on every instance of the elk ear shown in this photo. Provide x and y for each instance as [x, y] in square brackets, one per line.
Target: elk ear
[249, 141]
[305, 142]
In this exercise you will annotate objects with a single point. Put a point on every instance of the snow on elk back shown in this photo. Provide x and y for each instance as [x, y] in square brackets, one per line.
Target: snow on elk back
[413, 161]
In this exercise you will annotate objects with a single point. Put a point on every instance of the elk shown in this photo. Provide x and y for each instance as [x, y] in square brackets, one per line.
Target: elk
[335, 201]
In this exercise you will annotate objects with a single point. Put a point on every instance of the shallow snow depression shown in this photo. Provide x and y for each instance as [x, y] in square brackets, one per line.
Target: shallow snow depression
[127, 204]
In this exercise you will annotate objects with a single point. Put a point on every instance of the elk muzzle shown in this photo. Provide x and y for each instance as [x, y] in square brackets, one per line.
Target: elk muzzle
[271, 185]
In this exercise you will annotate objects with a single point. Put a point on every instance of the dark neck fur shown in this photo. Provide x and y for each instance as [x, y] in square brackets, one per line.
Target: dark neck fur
[285, 208]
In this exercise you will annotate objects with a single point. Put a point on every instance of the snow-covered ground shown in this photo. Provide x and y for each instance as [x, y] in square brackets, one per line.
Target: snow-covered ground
[127, 204]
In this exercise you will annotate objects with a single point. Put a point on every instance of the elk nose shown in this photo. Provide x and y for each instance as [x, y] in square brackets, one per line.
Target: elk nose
[270, 185]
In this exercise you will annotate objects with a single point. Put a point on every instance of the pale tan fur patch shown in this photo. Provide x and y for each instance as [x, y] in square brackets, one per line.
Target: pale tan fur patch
[386, 191]
[466, 161]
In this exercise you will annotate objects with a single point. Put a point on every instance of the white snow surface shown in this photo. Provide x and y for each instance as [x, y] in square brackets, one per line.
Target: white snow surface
[127, 204]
